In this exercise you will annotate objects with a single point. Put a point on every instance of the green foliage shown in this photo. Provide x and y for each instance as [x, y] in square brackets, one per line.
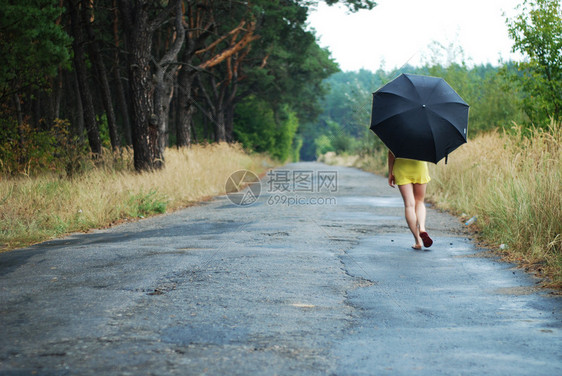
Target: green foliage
[537, 33]
[143, 204]
[258, 127]
[103, 127]
[494, 101]
[255, 125]
[288, 124]
[296, 149]
[336, 139]
[70, 153]
[323, 144]
[32, 44]
[342, 142]
[295, 64]
[25, 150]
[354, 5]
[347, 110]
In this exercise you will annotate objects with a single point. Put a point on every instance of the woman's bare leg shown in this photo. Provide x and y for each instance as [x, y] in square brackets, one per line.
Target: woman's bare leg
[419, 196]
[407, 192]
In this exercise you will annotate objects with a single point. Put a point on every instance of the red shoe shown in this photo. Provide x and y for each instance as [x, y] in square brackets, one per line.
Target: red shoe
[427, 242]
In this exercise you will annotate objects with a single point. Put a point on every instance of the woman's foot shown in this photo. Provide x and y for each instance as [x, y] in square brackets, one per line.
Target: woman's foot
[417, 247]
[427, 242]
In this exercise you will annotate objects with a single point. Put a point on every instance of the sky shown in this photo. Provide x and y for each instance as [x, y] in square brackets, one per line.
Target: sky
[397, 32]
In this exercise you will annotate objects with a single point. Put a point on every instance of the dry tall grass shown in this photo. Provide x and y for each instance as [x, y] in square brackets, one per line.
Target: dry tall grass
[513, 182]
[36, 209]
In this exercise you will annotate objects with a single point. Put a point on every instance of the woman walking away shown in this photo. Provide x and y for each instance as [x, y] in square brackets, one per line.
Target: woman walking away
[411, 177]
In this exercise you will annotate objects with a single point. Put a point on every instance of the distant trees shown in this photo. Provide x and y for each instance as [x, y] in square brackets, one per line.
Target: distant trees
[151, 74]
[343, 126]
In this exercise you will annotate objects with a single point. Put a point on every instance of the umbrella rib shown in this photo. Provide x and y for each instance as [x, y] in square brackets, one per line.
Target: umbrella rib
[413, 86]
[411, 102]
[460, 101]
[398, 96]
[434, 89]
[393, 116]
[447, 120]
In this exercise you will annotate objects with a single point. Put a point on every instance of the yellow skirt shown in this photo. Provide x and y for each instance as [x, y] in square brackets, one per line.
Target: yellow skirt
[409, 171]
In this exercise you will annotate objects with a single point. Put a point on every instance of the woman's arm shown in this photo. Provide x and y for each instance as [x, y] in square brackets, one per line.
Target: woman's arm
[391, 159]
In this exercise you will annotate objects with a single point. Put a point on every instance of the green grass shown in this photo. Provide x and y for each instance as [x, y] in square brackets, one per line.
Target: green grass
[142, 204]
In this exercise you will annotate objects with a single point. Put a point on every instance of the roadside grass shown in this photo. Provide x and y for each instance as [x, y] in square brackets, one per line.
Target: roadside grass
[512, 182]
[40, 208]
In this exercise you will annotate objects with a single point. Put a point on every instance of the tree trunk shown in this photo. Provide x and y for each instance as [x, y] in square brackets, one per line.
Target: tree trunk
[219, 114]
[162, 97]
[120, 90]
[82, 76]
[229, 122]
[185, 93]
[58, 93]
[185, 113]
[139, 40]
[99, 65]
[229, 106]
[215, 112]
[164, 77]
[50, 104]
[36, 108]
[123, 104]
[78, 110]
[148, 92]
[17, 105]
[220, 129]
[19, 116]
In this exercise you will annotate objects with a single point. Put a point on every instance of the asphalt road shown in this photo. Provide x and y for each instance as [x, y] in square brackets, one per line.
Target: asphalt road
[316, 277]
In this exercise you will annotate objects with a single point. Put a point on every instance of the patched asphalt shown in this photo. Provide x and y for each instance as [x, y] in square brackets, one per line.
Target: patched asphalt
[316, 277]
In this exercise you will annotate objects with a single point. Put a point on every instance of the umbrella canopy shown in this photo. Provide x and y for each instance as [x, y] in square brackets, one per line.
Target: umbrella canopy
[419, 117]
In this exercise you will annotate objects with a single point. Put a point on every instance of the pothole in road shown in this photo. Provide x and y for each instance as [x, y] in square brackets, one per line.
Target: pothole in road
[276, 234]
[162, 289]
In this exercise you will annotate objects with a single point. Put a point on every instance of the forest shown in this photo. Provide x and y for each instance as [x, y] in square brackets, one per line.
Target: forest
[81, 79]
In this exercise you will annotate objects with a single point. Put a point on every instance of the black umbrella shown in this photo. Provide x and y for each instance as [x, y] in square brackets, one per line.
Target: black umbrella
[419, 117]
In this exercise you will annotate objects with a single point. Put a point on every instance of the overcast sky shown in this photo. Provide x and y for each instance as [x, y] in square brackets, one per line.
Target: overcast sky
[399, 31]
